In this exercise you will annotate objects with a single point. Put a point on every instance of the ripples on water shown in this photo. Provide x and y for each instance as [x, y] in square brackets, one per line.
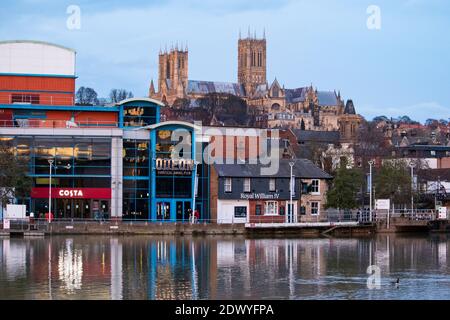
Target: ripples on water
[91, 267]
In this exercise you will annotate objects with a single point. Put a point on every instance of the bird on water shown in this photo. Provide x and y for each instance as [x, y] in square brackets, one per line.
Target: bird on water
[396, 283]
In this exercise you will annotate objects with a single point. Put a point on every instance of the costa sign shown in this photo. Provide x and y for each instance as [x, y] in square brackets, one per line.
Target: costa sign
[72, 193]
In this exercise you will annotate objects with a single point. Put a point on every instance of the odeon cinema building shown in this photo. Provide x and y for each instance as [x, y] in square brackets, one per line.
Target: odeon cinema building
[114, 160]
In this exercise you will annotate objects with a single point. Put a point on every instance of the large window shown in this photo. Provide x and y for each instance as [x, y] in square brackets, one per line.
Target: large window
[139, 116]
[135, 158]
[271, 208]
[315, 187]
[78, 156]
[228, 185]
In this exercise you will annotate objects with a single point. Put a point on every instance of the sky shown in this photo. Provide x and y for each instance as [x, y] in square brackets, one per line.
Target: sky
[399, 68]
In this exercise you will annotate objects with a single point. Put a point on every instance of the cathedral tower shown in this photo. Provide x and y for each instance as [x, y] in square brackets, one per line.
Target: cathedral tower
[251, 62]
[172, 74]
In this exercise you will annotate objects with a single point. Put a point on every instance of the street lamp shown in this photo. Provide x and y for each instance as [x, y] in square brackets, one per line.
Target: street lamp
[50, 162]
[371, 162]
[411, 165]
[196, 163]
[291, 213]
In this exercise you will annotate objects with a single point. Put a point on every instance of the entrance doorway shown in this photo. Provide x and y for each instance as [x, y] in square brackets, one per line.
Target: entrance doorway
[183, 210]
[163, 210]
[173, 210]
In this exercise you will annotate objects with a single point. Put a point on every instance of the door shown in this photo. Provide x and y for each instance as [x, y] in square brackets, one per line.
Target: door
[183, 210]
[163, 209]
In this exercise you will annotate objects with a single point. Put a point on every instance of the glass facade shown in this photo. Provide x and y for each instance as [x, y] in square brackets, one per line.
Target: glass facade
[136, 179]
[159, 178]
[78, 163]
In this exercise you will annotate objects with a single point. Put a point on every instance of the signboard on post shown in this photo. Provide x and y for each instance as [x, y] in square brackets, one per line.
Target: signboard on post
[16, 211]
[382, 204]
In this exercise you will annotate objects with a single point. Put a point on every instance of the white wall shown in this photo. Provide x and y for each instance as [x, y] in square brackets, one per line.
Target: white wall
[225, 211]
[25, 57]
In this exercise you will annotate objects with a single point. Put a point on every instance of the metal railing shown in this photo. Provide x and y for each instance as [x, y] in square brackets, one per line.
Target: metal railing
[37, 99]
[45, 124]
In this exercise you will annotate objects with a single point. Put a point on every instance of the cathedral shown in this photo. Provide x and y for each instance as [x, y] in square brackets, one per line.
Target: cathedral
[272, 105]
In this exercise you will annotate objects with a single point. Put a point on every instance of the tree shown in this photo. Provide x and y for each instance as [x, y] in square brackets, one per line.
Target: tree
[431, 123]
[346, 185]
[14, 181]
[117, 95]
[371, 143]
[380, 119]
[86, 97]
[393, 181]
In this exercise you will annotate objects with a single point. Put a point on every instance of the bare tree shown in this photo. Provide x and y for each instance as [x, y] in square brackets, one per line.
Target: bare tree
[86, 97]
[371, 143]
[117, 95]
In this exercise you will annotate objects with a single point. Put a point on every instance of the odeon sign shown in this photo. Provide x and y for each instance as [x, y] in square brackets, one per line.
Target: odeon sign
[174, 166]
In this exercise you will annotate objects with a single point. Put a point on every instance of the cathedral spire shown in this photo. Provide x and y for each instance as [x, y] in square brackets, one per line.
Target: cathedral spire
[152, 88]
[264, 33]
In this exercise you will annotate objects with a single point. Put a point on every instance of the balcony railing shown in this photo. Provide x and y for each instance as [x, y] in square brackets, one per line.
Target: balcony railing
[45, 124]
[36, 99]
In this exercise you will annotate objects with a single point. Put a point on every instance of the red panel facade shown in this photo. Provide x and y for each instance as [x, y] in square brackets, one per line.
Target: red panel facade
[50, 90]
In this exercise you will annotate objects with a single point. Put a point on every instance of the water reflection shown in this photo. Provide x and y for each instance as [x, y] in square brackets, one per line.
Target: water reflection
[88, 267]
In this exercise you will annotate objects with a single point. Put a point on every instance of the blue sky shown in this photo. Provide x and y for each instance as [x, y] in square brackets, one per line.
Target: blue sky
[403, 68]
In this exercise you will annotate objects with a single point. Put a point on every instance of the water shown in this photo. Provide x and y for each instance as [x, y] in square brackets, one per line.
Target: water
[93, 267]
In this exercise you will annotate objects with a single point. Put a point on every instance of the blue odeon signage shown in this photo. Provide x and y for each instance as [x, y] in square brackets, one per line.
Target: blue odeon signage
[174, 166]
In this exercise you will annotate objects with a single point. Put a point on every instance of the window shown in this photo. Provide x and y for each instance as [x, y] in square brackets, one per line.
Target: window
[247, 185]
[258, 210]
[315, 187]
[282, 211]
[227, 184]
[271, 208]
[303, 210]
[25, 98]
[272, 185]
[240, 212]
[314, 208]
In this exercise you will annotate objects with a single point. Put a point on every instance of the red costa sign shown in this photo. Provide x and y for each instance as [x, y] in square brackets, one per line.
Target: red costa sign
[72, 193]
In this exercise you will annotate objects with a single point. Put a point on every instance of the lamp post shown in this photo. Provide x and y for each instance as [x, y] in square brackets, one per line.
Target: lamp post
[291, 213]
[371, 162]
[50, 163]
[411, 165]
[194, 191]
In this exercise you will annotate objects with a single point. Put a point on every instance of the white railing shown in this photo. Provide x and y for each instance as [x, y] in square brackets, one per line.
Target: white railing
[44, 123]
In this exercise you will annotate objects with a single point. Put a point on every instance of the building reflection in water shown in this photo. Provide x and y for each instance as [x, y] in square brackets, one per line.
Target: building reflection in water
[116, 269]
[210, 267]
[70, 267]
